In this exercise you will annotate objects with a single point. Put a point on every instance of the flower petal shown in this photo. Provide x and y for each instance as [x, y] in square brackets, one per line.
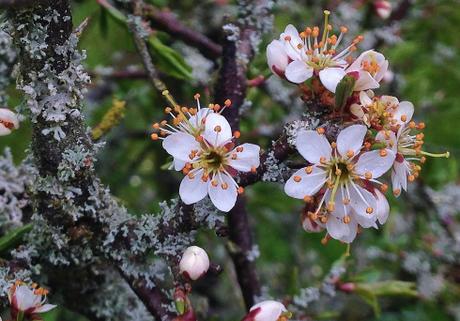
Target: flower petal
[389, 138]
[45, 308]
[179, 145]
[224, 195]
[247, 159]
[365, 81]
[268, 310]
[277, 58]
[178, 164]
[217, 130]
[363, 202]
[405, 110]
[192, 188]
[341, 231]
[330, 77]
[312, 146]
[290, 46]
[373, 162]
[7, 116]
[302, 184]
[351, 139]
[383, 208]
[298, 71]
[399, 176]
[198, 120]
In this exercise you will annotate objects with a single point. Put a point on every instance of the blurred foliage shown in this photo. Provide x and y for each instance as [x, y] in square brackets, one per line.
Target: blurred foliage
[427, 72]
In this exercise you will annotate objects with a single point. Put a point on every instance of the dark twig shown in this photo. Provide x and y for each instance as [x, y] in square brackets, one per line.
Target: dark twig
[167, 22]
[9, 4]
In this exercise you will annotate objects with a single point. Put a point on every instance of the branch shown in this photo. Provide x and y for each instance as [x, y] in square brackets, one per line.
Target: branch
[238, 51]
[167, 22]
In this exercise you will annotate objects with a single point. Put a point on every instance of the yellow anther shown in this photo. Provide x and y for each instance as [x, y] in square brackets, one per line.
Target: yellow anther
[369, 210]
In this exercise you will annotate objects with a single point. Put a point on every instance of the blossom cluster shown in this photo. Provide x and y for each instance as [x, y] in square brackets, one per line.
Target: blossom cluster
[343, 181]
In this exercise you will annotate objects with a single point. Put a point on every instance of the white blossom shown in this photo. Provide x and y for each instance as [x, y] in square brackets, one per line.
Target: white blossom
[8, 121]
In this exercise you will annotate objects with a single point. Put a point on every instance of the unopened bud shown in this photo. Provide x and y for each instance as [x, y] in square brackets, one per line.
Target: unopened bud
[194, 262]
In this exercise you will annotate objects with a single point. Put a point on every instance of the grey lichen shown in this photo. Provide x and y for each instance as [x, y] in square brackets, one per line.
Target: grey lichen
[7, 60]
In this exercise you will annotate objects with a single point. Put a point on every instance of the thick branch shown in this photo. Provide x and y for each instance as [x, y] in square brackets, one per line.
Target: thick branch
[9, 4]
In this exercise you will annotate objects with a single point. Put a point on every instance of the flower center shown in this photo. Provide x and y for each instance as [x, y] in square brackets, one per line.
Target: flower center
[213, 159]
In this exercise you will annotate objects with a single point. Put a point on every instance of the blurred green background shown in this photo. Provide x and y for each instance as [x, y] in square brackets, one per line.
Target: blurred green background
[422, 46]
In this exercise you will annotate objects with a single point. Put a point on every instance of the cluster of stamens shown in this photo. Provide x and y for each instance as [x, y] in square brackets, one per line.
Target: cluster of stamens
[180, 118]
[321, 52]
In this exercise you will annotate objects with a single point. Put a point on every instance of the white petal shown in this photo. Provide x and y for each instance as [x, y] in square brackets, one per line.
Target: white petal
[178, 164]
[269, 310]
[198, 120]
[195, 262]
[214, 123]
[312, 146]
[45, 308]
[341, 209]
[351, 139]
[179, 145]
[337, 228]
[368, 55]
[399, 176]
[246, 159]
[365, 81]
[291, 46]
[357, 111]
[389, 138]
[361, 201]
[383, 208]
[365, 97]
[298, 71]
[223, 199]
[276, 56]
[308, 185]
[192, 190]
[405, 108]
[352, 231]
[374, 163]
[4, 130]
[330, 77]
[382, 72]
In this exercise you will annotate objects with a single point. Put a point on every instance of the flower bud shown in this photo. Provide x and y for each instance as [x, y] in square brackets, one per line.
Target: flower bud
[383, 8]
[8, 121]
[267, 311]
[194, 262]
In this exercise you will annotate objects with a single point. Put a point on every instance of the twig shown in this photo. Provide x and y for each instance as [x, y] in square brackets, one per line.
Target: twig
[167, 22]
[9, 4]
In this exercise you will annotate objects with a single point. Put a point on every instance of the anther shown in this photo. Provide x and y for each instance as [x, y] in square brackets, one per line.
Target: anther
[217, 129]
[350, 153]
[224, 186]
[334, 145]
[297, 179]
[411, 178]
[236, 134]
[239, 149]
[227, 103]
[214, 183]
[308, 199]
[368, 175]
[309, 169]
[383, 152]
[154, 136]
[346, 219]
[320, 130]
[369, 210]
[396, 191]
[240, 190]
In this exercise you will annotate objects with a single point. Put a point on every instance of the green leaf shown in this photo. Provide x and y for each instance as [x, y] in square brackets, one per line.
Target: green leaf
[13, 238]
[343, 91]
[369, 292]
[168, 60]
[113, 12]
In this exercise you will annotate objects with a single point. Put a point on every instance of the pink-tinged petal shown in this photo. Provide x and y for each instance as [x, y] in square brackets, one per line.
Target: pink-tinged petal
[373, 162]
[383, 208]
[45, 308]
[365, 205]
[312, 146]
[217, 130]
[399, 177]
[341, 208]
[268, 310]
[25, 298]
[245, 160]
[405, 111]
[352, 231]
[192, 188]
[351, 139]
[224, 194]
[387, 137]
[330, 77]
[290, 46]
[180, 145]
[10, 118]
[365, 81]
[311, 226]
[298, 71]
[357, 111]
[276, 56]
[302, 184]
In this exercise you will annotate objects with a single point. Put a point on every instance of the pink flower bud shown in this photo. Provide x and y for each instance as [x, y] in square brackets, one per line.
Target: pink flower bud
[194, 262]
[267, 311]
[383, 8]
[277, 58]
[8, 121]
